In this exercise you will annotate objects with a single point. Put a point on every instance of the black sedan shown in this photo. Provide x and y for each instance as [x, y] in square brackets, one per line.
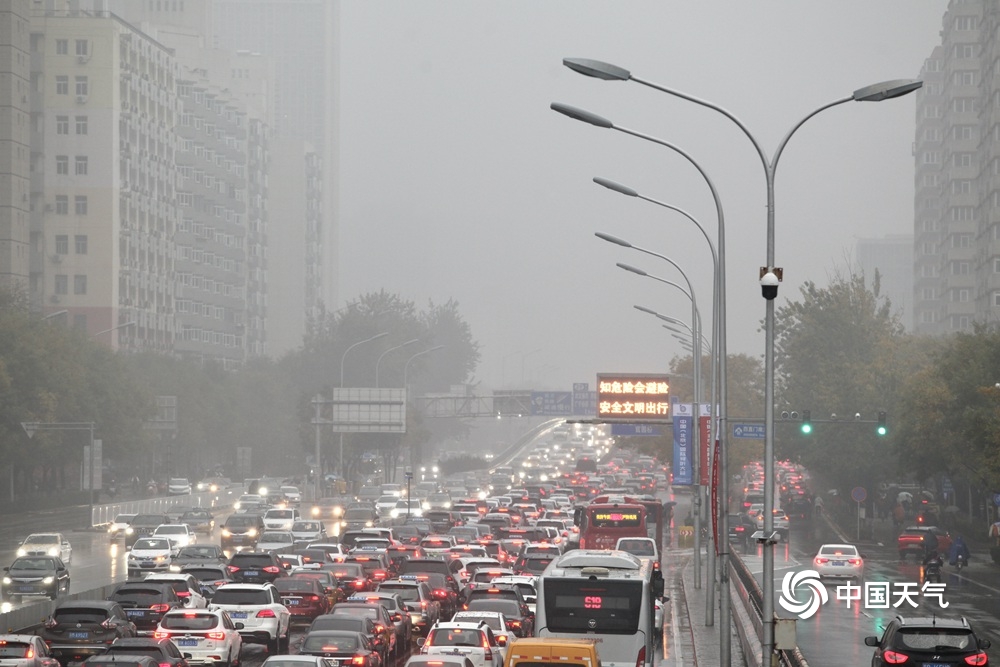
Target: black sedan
[35, 575]
[351, 648]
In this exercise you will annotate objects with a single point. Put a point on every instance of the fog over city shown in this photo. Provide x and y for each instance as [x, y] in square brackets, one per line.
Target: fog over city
[458, 181]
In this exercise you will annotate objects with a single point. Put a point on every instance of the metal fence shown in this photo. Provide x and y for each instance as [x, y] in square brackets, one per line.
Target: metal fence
[103, 515]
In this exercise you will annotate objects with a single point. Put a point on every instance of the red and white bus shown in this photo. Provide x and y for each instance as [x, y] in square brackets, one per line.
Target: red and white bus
[603, 523]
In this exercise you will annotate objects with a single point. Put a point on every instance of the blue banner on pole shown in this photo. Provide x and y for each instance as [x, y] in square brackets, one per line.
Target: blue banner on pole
[683, 444]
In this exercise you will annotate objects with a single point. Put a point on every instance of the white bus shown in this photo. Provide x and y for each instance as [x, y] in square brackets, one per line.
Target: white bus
[606, 595]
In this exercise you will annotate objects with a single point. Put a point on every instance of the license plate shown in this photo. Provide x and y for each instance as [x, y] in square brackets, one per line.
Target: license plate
[838, 562]
[25, 588]
[187, 642]
[73, 634]
[251, 573]
[238, 614]
[135, 612]
[291, 602]
[934, 664]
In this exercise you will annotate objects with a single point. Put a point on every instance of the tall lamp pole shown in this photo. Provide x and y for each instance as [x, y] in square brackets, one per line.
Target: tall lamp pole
[406, 385]
[874, 93]
[343, 358]
[391, 349]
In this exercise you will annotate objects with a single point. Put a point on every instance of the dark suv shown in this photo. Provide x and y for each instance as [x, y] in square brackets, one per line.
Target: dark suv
[926, 640]
[143, 525]
[506, 599]
[255, 567]
[146, 603]
[163, 651]
[242, 531]
[78, 629]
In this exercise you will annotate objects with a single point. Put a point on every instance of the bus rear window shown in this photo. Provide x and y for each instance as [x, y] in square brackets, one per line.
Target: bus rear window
[616, 518]
[572, 605]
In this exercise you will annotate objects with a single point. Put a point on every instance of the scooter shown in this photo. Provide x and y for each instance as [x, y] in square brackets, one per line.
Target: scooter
[960, 561]
[932, 569]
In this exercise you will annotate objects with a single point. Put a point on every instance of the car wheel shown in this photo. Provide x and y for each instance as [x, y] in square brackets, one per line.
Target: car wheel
[273, 645]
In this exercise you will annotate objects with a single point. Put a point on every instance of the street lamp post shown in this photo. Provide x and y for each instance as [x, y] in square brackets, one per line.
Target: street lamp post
[120, 326]
[406, 385]
[696, 338]
[873, 93]
[391, 349]
[719, 412]
[343, 358]
[31, 427]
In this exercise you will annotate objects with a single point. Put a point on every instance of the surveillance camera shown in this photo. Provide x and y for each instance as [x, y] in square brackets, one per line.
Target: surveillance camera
[833, 416]
[769, 285]
[857, 416]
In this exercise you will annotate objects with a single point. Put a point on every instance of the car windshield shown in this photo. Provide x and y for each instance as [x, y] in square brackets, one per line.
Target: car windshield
[407, 593]
[42, 539]
[306, 526]
[935, 639]
[330, 643]
[73, 615]
[840, 550]
[199, 552]
[33, 564]
[354, 514]
[492, 620]
[279, 514]
[205, 574]
[150, 544]
[241, 596]
[15, 650]
[638, 547]
[455, 637]
[189, 621]
[508, 608]
[178, 529]
[137, 595]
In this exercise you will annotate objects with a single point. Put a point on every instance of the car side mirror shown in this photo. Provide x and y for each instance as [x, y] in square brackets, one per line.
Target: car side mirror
[984, 643]
[187, 656]
[871, 641]
[420, 641]
[238, 626]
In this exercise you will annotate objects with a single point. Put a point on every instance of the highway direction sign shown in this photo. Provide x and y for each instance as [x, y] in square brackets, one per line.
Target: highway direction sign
[749, 431]
[551, 403]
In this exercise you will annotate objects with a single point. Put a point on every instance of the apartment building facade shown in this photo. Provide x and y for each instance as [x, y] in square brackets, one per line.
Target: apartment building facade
[957, 174]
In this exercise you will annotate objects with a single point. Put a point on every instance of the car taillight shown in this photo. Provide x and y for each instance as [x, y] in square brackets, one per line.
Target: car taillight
[855, 561]
[379, 574]
[160, 608]
[265, 613]
[358, 583]
[183, 594]
[440, 593]
[106, 623]
[514, 623]
[977, 660]
[232, 569]
[894, 658]
[821, 561]
[358, 660]
[160, 634]
[486, 645]
[640, 659]
[164, 664]
[739, 529]
[29, 654]
[423, 604]
[272, 569]
[216, 635]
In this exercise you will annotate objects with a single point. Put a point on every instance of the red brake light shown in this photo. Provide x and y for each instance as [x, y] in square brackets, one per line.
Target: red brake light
[640, 659]
[30, 653]
[855, 561]
[821, 561]
[894, 658]
[159, 608]
[183, 594]
[977, 660]
[160, 634]
[358, 660]
[265, 613]
[232, 569]
[164, 664]
[216, 635]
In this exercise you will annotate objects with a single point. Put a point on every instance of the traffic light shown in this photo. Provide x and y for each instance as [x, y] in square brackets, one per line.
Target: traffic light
[881, 428]
[807, 426]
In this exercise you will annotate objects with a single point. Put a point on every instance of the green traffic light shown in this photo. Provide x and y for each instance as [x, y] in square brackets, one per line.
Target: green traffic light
[807, 428]
[881, 430]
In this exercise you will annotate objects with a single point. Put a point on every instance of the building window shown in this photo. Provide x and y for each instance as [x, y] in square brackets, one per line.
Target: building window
[965, 23]
[81, 125]
[62, 47]
[963, 132]
[964, 78]
[80, 204]
[932, 65]
[959, 268]
[62, 124]
[62, 284]
[79, 284]
[62, 205]
[961, 187]
[62, 85]
[62, 244]
[928, 294]
[962, 159]
[81, 165]
[962, 214]
[962, 295]
[62, 165]
[931, 157]
[80, 241]
[82, 86]
[932, 111]
[964, 105]
[82, 47]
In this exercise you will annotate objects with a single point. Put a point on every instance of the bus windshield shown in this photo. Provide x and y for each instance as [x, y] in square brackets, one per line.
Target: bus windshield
[593, 606]
[604, 524]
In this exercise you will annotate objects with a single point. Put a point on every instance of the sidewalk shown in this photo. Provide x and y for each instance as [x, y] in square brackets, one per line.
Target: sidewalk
[689, 641]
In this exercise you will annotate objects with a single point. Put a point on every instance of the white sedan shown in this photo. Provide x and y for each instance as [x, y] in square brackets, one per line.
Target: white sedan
[208, 636]
[46, 544]
[839, 561]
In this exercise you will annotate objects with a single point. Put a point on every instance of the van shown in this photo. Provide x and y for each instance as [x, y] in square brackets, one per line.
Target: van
[564, 652]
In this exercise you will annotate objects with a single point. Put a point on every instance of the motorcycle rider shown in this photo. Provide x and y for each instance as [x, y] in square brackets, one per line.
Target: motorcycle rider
[930, 547]
[958, 548]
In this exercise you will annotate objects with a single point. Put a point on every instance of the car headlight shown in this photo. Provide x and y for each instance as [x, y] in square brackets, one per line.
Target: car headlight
[6, 580]
[160, 559]
[53, 551]
[213, 488]
[226, 533]
[252, 532]
[369, 524]
[236, 505]
[129, 530]
[337, 511]
[262, 491]
[394, 513]
[426, 505]
[48, 580]
[315, 511]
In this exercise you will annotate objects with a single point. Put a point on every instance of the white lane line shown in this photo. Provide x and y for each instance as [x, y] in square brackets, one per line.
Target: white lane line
[675, 631]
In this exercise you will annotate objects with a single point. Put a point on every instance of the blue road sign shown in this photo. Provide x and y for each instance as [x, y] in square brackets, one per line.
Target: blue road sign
[551, 403]
[749, 431]
[635, 429]
[585, 403]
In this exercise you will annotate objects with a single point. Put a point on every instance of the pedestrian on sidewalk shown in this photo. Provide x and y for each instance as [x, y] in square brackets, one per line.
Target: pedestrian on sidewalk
[898, 514]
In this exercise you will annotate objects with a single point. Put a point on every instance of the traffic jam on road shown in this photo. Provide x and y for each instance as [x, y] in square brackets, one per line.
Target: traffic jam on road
[449, 575]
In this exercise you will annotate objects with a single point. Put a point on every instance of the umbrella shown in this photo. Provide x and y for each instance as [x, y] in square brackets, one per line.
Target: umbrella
[903, 496]
[952, 509]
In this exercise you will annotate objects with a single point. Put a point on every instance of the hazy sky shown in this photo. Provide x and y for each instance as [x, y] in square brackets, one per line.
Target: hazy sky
[458, 181]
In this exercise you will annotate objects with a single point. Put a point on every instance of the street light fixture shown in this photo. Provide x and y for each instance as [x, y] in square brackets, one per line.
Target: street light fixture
[391, 349]
[120, 326]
